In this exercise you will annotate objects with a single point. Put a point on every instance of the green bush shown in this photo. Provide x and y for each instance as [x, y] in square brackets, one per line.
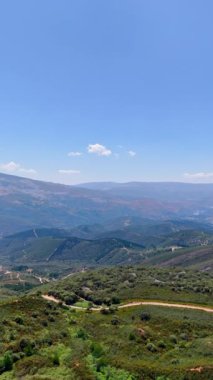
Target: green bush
[96, 350]
[151, 347]
[19, 320]
[161, 344]
[81, 333]
[8, 361]
[173, 339]
[145, 316]
[184, 336]
[27, 346]
[132, 336]
[115, 321]
[55, 359]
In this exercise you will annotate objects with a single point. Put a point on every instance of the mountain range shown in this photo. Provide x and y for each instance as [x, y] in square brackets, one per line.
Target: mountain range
[27, 203]
[166, 244]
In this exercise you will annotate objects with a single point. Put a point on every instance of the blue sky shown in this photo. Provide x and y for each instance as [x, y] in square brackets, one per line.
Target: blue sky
[125, 87]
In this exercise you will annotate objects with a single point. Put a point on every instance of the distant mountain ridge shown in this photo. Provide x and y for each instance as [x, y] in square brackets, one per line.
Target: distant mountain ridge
[161, 191]
[26, 203]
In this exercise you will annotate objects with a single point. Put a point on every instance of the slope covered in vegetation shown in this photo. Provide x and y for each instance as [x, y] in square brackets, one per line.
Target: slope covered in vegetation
[42, 340]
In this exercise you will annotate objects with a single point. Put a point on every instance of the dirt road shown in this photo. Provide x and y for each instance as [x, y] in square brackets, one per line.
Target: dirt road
[139, 303]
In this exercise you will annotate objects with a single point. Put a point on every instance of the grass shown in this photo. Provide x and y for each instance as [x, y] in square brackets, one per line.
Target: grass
[84, 304]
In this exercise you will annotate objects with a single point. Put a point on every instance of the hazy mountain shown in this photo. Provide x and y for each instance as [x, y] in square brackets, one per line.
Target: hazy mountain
[161, 233]
[26, 203]
[161, 191]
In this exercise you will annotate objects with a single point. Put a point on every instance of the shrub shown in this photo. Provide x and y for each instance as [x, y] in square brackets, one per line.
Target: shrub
[105, 311]
[64, 334]
[184, 336]
[115, 300]
[151, 347]
[113, 309]
[34, 315]
[161, 344]
[145, 316]
[44, 323]
[115, 321]
[55, 359]
[131, 336]
[12, 336]
[72, 321]
[51, 319]
[108, 301]
[82, 334]
[70, 299]
[19, 320]
[96, 350]
[27, 346]
[173, 339]
[8, 361]
[16, 357]
[175, 361]
[102, 362]
[47, 340]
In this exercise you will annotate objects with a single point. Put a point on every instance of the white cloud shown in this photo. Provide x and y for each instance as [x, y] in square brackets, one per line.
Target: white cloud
[99, 149]
[75, 154]
[13, 167]
[131, 153]
[68, 171]
[10, 166]
[200, 175]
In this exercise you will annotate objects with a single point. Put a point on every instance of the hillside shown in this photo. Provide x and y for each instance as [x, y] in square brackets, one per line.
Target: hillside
[119, 284]
[43, 340]
[100, 340]
[159, 233]
[49, 245]
[26, 204]
[60, 251]
[200, 258]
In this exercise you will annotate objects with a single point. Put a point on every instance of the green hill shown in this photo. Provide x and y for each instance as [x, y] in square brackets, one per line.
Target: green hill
[136, 282]
[57, 250]
[52, 246]
[44, 340]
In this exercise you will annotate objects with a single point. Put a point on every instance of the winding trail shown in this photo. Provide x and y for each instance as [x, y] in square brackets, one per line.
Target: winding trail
[139, 303]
